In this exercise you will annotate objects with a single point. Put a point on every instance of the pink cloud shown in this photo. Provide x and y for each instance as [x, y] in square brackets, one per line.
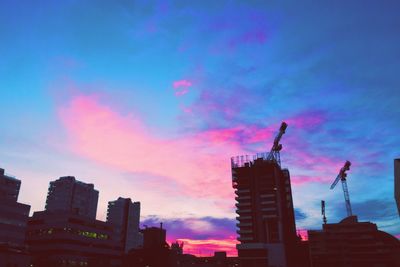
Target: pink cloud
[181, 92]
[186, 109]
[122, 141]
[190, 162]
[134, 148]
[221, 135]
[181, 87]
[261, 134]
[308, 119]
[207, 247]
[304, 179]
[202, 236]
[181, 83]
[303, 233]
[240, 134]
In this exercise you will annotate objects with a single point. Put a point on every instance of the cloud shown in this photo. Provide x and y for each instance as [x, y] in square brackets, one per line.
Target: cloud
[99, 132]
[382, 211]
[181, 87]
[181, 83]
[209, 246]
[299, 214]
[103, 135]
[201, 236]
[186, 164]
[257, 36]
[304, 179]
[376, 209]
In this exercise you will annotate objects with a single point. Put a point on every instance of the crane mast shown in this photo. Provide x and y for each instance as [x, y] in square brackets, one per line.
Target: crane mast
[274, 154]
[342, 177]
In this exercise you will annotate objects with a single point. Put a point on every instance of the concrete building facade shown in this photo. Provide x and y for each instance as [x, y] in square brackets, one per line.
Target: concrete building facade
[266, 223]
[68, 194]
[124, 215]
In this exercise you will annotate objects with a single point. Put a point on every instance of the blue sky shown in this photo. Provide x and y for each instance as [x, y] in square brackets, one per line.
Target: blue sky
[85, 84]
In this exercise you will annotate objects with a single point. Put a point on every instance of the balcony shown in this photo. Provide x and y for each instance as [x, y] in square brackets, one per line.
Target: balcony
[243, 198]
[269, 209]
[240, 211]
[240, 232]
[241, 224]
[241, 204]
[267, 195]
[267, 202]
[269, 216]
[243, 218]
[242, 191]
[245, 239]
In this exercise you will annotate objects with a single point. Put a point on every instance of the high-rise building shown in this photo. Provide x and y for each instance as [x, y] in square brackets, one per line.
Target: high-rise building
[9, 187]
[397, 183]
[68, 194]
[353, 243]
[124, 215]
[13, 221]
[266, 222]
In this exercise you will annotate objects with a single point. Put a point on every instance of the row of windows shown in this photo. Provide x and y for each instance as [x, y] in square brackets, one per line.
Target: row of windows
[73, 263]
[52, 231]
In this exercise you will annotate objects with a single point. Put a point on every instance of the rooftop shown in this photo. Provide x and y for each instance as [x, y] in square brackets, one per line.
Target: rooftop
[2, 172]
[243, 160]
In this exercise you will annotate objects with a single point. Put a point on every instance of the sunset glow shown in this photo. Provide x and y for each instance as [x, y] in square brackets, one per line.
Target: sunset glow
[151, 100]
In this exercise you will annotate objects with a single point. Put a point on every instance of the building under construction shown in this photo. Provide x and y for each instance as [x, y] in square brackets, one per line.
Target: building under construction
[266, 222]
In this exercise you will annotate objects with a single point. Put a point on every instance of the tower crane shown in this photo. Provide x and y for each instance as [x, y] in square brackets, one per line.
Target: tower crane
[274, 153]
[342, 177]
[323, 211]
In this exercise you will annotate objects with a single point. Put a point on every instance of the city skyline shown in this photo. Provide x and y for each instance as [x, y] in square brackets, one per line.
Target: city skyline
[150, 101]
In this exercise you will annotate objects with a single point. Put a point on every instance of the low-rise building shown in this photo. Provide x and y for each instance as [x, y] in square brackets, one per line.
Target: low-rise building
[65, 239]
[353, 243]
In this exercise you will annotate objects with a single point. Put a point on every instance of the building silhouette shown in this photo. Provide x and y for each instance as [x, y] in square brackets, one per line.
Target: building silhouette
[67, 232]
[397, 183]
[154, 237]
[13, 221]
[68, 194]
[266, 222]
[353, 243]
[177, 248]
[9, 187]
[155, 251]
[219, 259]
[58, 238]
[124, 215]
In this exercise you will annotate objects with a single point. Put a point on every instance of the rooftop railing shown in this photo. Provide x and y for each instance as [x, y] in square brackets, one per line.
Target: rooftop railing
[243, 160]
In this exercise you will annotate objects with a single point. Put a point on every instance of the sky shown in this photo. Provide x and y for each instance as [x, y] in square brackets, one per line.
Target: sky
[151, 99]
